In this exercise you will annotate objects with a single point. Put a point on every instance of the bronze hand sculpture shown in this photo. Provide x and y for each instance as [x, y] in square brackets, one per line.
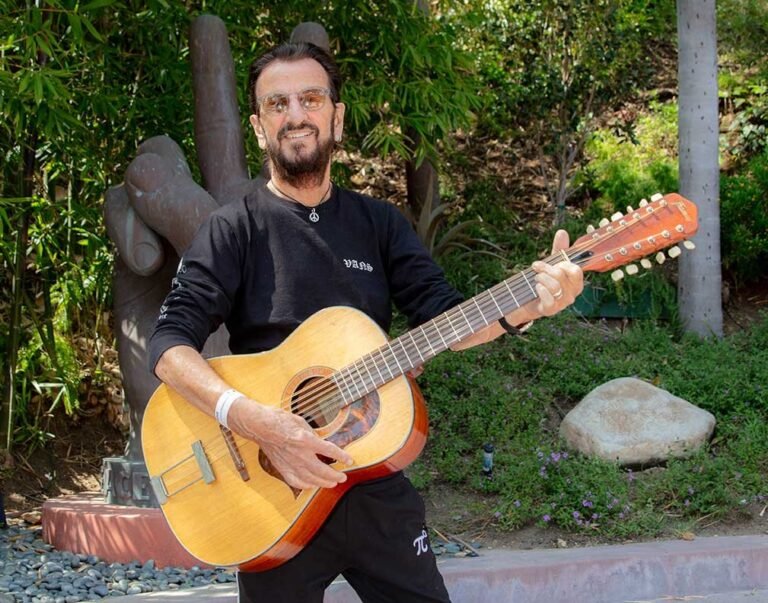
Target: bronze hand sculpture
[152, 218]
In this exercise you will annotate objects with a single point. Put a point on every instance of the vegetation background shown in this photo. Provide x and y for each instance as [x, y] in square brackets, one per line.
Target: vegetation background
[535, 113]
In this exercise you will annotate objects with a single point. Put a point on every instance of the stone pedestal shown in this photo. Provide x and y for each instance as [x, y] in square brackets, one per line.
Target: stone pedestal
[86, 523]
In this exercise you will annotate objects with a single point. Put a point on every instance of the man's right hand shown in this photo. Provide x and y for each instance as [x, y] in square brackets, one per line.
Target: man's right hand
[289, 443]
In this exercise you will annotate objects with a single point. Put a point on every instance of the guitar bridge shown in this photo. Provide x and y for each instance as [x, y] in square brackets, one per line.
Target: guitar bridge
[206, 474]
[234, 452]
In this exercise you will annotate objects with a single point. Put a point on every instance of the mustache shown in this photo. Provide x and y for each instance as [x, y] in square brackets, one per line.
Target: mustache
[288, 128]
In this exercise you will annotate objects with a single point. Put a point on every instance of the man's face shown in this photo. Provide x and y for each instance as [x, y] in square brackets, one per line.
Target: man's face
[298, 142]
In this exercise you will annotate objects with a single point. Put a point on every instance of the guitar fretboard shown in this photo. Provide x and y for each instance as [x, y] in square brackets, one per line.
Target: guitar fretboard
[419, 345]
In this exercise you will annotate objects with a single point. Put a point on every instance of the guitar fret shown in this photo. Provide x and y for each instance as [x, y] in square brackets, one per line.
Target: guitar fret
[469, 324]
[349, 391]
[450, 322]
[529, 285]
[429, 343]
[493, 299]
[395, 357]
[376, 364]
[407, 357]
[485, 320]
[386, 363]
[368, 372]
[355, 383]
[512, 293]
[410, 334]
[440, 334]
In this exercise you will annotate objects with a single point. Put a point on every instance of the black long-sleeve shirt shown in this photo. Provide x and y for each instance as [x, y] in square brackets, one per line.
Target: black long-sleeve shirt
[262, 267]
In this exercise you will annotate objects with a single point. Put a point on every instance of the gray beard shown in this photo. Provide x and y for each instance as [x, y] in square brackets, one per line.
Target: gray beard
[306, 170]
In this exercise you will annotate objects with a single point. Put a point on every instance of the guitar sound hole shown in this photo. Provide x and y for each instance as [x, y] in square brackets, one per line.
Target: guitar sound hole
[316, 400]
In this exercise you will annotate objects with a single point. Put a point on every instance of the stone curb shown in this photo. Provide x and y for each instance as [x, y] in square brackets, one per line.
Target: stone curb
[645, 573]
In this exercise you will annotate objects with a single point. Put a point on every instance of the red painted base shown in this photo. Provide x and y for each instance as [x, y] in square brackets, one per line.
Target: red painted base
[84, 523]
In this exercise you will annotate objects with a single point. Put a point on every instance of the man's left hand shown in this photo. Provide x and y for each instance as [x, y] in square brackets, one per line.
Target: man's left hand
[556, 285]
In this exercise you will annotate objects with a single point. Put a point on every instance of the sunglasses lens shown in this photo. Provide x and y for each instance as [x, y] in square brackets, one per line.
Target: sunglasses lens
[313, 99]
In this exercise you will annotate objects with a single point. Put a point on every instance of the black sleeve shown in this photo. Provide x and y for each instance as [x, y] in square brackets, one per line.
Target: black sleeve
[203, 291]
[417, 284]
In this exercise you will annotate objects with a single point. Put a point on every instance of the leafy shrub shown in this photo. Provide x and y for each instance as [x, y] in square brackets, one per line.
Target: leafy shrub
[626, 166]
[744, 221]
[513, 392]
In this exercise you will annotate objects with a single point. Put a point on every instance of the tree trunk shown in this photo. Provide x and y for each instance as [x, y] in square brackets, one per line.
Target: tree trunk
[422, 186]
[700, 283]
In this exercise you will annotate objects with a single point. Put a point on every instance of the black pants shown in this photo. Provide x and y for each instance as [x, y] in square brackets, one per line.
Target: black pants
[375, 537]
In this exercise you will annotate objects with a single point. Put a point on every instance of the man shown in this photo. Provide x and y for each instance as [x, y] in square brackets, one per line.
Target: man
[263, 265]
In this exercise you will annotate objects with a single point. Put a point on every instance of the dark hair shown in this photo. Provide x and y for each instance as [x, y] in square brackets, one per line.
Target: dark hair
[290, 52]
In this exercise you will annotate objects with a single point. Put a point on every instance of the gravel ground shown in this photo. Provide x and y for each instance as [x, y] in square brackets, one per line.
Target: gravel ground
[32, 571]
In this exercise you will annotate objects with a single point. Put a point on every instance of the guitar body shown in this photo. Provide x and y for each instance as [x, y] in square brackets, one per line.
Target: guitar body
[246, 515]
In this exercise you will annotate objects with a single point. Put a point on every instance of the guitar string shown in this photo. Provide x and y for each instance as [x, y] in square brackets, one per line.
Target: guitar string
[328, 385]
[329, 401]
[311, 394]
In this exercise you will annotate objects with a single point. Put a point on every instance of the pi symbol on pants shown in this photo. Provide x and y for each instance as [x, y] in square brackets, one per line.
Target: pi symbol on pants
[421, 543]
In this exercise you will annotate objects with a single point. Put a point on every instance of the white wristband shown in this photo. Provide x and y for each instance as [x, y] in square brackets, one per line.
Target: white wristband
[224, 403]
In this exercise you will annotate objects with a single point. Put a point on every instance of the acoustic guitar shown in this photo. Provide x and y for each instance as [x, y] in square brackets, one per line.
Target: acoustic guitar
[222, 498]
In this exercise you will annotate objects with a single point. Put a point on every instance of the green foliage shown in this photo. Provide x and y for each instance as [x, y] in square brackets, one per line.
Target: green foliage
[745, 98]
[744, 221]
[512, 392]
[632, 162]
[742, 27]
[83, 84]
[545, 56]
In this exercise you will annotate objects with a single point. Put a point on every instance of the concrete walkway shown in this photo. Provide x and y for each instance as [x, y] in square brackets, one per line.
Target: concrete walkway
[730, 569]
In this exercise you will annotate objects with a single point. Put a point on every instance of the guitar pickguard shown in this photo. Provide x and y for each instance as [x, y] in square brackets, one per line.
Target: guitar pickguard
[361, 417]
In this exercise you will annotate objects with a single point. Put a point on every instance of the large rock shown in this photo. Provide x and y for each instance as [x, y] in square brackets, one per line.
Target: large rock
[632, 422]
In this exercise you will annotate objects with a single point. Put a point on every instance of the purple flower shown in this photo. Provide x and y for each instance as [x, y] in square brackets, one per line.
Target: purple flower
[517, 503]
[595, 515]
[587, 503]
[555, 456]
[576, 514]
[691, 491]
[546, 519]
[687, 503]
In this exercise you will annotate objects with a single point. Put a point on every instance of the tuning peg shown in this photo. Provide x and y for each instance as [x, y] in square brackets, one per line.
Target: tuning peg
[660, 257]
[646, 263]
[590, 229]
[674, 251]
[632, 269]
[604, 222]
[689, 244]
[629, 209]
[643, 203]
[617, 216]
[657, 197]
[617, 275]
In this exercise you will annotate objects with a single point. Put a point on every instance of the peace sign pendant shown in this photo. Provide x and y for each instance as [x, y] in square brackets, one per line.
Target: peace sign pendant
[313, 216]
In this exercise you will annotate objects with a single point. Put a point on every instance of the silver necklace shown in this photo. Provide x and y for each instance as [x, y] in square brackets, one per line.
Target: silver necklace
[314, 217]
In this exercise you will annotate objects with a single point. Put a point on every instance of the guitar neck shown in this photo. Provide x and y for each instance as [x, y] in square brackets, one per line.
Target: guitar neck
[619, 241]
[423, 343]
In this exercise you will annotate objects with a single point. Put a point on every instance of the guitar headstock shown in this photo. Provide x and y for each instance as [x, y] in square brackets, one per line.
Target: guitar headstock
[652, 227]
